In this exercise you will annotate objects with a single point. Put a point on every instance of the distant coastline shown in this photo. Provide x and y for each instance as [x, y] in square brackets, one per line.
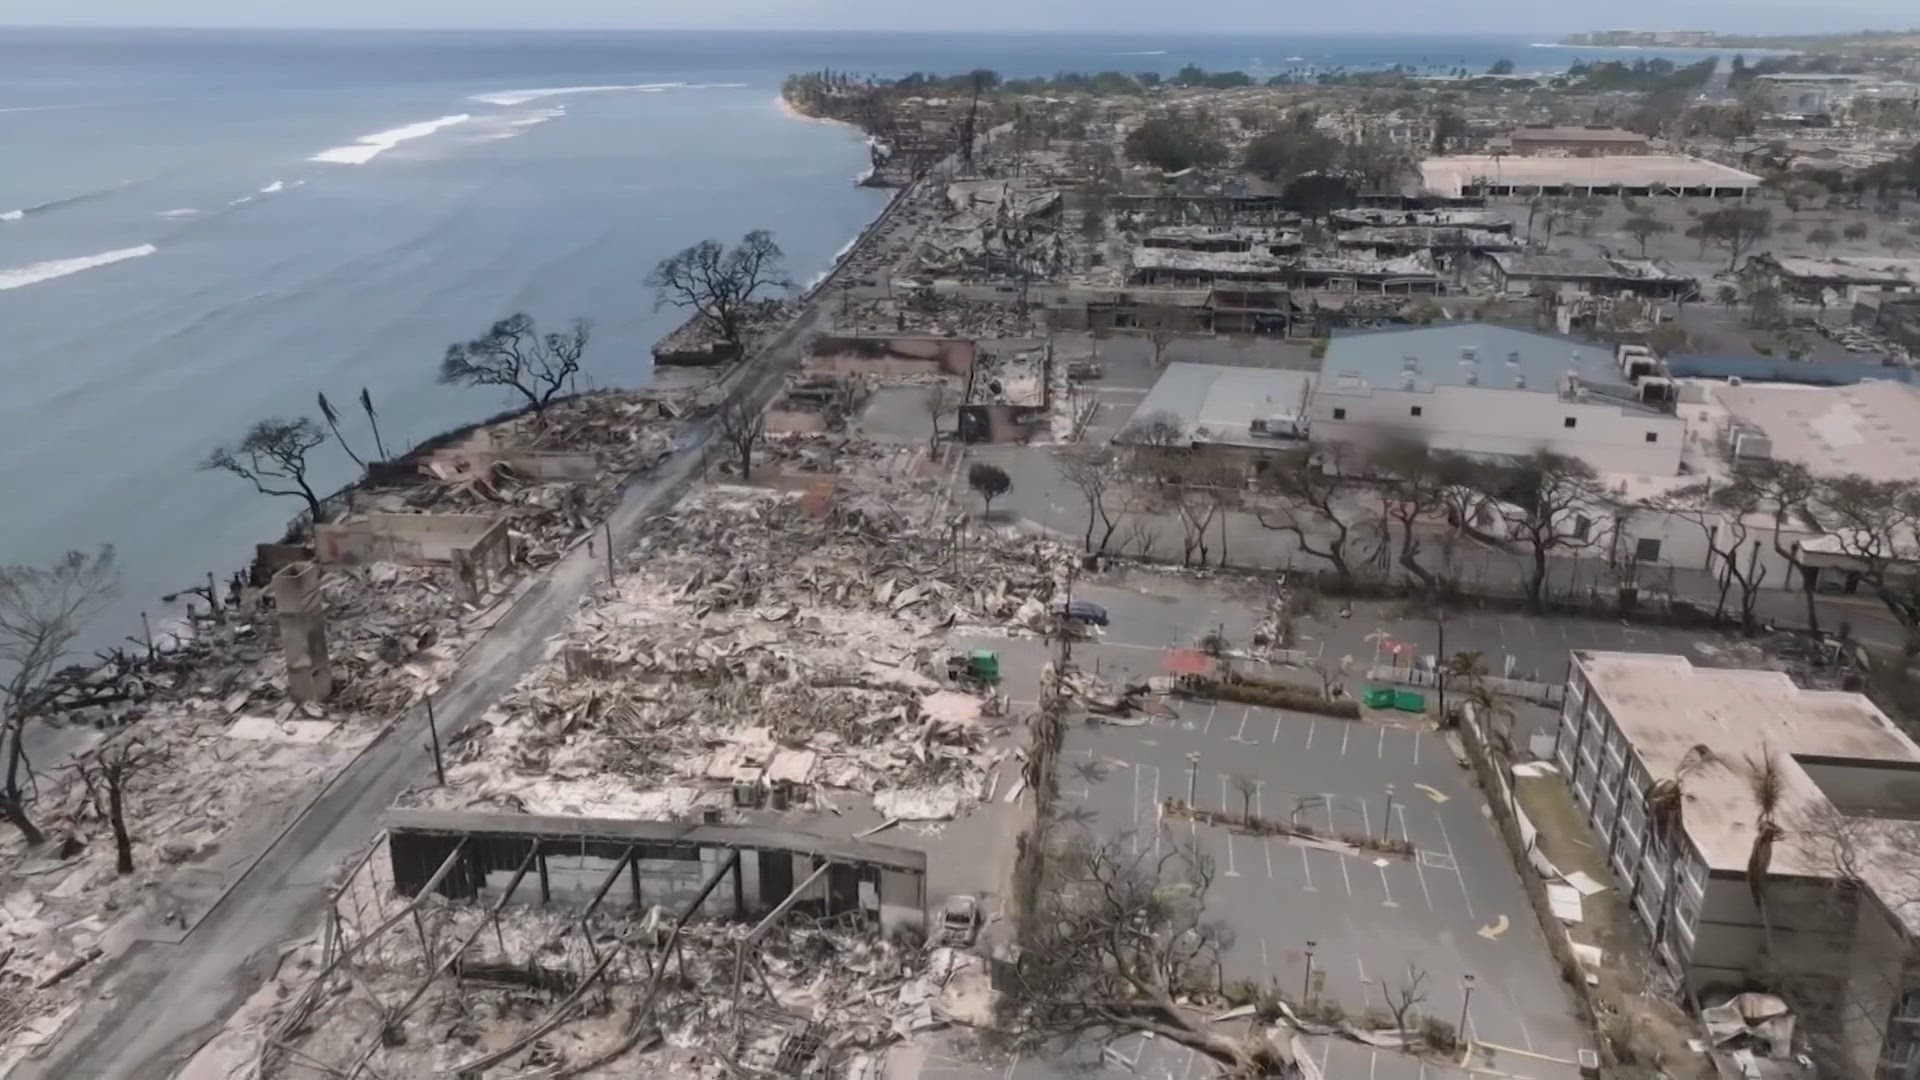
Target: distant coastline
[1713, 39]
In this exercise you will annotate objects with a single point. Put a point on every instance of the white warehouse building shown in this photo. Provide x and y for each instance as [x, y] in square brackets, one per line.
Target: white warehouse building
[1491, 390]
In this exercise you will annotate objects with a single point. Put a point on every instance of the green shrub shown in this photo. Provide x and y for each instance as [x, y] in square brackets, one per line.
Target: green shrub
[1275, 695]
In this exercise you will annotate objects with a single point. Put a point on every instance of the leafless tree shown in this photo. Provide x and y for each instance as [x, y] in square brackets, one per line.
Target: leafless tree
[514, 353]
[1248, 787]
[1410, 491]
[272, 455]
[1122, 945]
[1875, 523]
[939, 396]
[1784, 491]
[1160, 339]
[1094, 472]
[1724, 515]
[1303, 497]
[1406, 996]
[722, 285]
[1550, 504]
[42, 610]
[741, 425]
[107, 771]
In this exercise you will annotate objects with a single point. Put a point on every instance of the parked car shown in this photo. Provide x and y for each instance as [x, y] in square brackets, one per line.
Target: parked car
[959, 921]
[1082, 611]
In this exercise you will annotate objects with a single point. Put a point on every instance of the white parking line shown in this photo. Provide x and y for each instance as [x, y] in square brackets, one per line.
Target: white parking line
[1276, 729]
[1381, 753]
[1231, 872]
[1241, 735]
[1373, 1059]
[1524, 1033]
[1455, 862]
[1402, 811]
[1416, 747]
[1266, 964]
[1331, 831]
[1311, 725]
[1267, 843]
[1308, 867]
[1211, 709]
[1345, 730]
[1366, 995]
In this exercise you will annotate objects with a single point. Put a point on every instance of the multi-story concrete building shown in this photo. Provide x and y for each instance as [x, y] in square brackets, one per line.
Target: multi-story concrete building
[1818, 900]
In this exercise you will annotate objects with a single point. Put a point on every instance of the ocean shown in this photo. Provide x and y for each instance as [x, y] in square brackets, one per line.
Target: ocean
[202, 228]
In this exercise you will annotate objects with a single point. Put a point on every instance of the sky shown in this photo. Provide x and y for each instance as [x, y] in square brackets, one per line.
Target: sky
[1265, 17]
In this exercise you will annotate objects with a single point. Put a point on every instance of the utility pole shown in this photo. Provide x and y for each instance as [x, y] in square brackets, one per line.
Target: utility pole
[1193, 777]
[1440, 657]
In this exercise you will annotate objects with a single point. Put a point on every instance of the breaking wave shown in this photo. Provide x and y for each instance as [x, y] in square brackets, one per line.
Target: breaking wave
[277, 185]
[33, 274]
[1144, 52]
[511, 98]
[372, 146]
[183, 212]
[69, 200]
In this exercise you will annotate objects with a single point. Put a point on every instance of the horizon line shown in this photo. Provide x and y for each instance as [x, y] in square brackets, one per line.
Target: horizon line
[884, 31]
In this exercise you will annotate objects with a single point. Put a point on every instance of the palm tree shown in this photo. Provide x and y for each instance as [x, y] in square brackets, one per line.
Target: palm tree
[1768, 784]
[1666, 801]
[1467, 670]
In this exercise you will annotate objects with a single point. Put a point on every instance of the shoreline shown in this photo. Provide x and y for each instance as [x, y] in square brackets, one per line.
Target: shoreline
[785, 106]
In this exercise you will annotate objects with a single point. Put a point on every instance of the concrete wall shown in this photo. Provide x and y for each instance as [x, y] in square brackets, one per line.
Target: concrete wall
[413, 539]
[1488, 420]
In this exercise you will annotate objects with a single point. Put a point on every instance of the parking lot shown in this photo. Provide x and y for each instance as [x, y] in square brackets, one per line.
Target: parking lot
[1454, 909]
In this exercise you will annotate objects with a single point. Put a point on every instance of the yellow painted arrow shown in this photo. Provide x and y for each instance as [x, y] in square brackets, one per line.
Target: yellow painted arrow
[1493, 932]
[1432, 792]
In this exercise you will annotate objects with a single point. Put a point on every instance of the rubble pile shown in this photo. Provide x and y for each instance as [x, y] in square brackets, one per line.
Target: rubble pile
[624, 432]
[226, 760]
[394, 632]
[938, 315]
[813, 997]
[767, 648]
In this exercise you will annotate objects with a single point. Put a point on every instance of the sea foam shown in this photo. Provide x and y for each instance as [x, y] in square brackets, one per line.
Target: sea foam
[511, 98]
[372, 146]
[34, 273]
[13, 215]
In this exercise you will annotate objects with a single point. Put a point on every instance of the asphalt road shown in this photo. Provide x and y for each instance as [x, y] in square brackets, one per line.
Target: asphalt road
[161, 1002]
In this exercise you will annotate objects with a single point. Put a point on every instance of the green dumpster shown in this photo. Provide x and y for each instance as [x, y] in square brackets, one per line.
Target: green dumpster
[985, 664]
[1379, 697]
[1409, 701]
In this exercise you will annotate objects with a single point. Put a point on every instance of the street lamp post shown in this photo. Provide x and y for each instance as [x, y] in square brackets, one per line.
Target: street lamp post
[1306, 983]
[1466, 998]
[1193, 778]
